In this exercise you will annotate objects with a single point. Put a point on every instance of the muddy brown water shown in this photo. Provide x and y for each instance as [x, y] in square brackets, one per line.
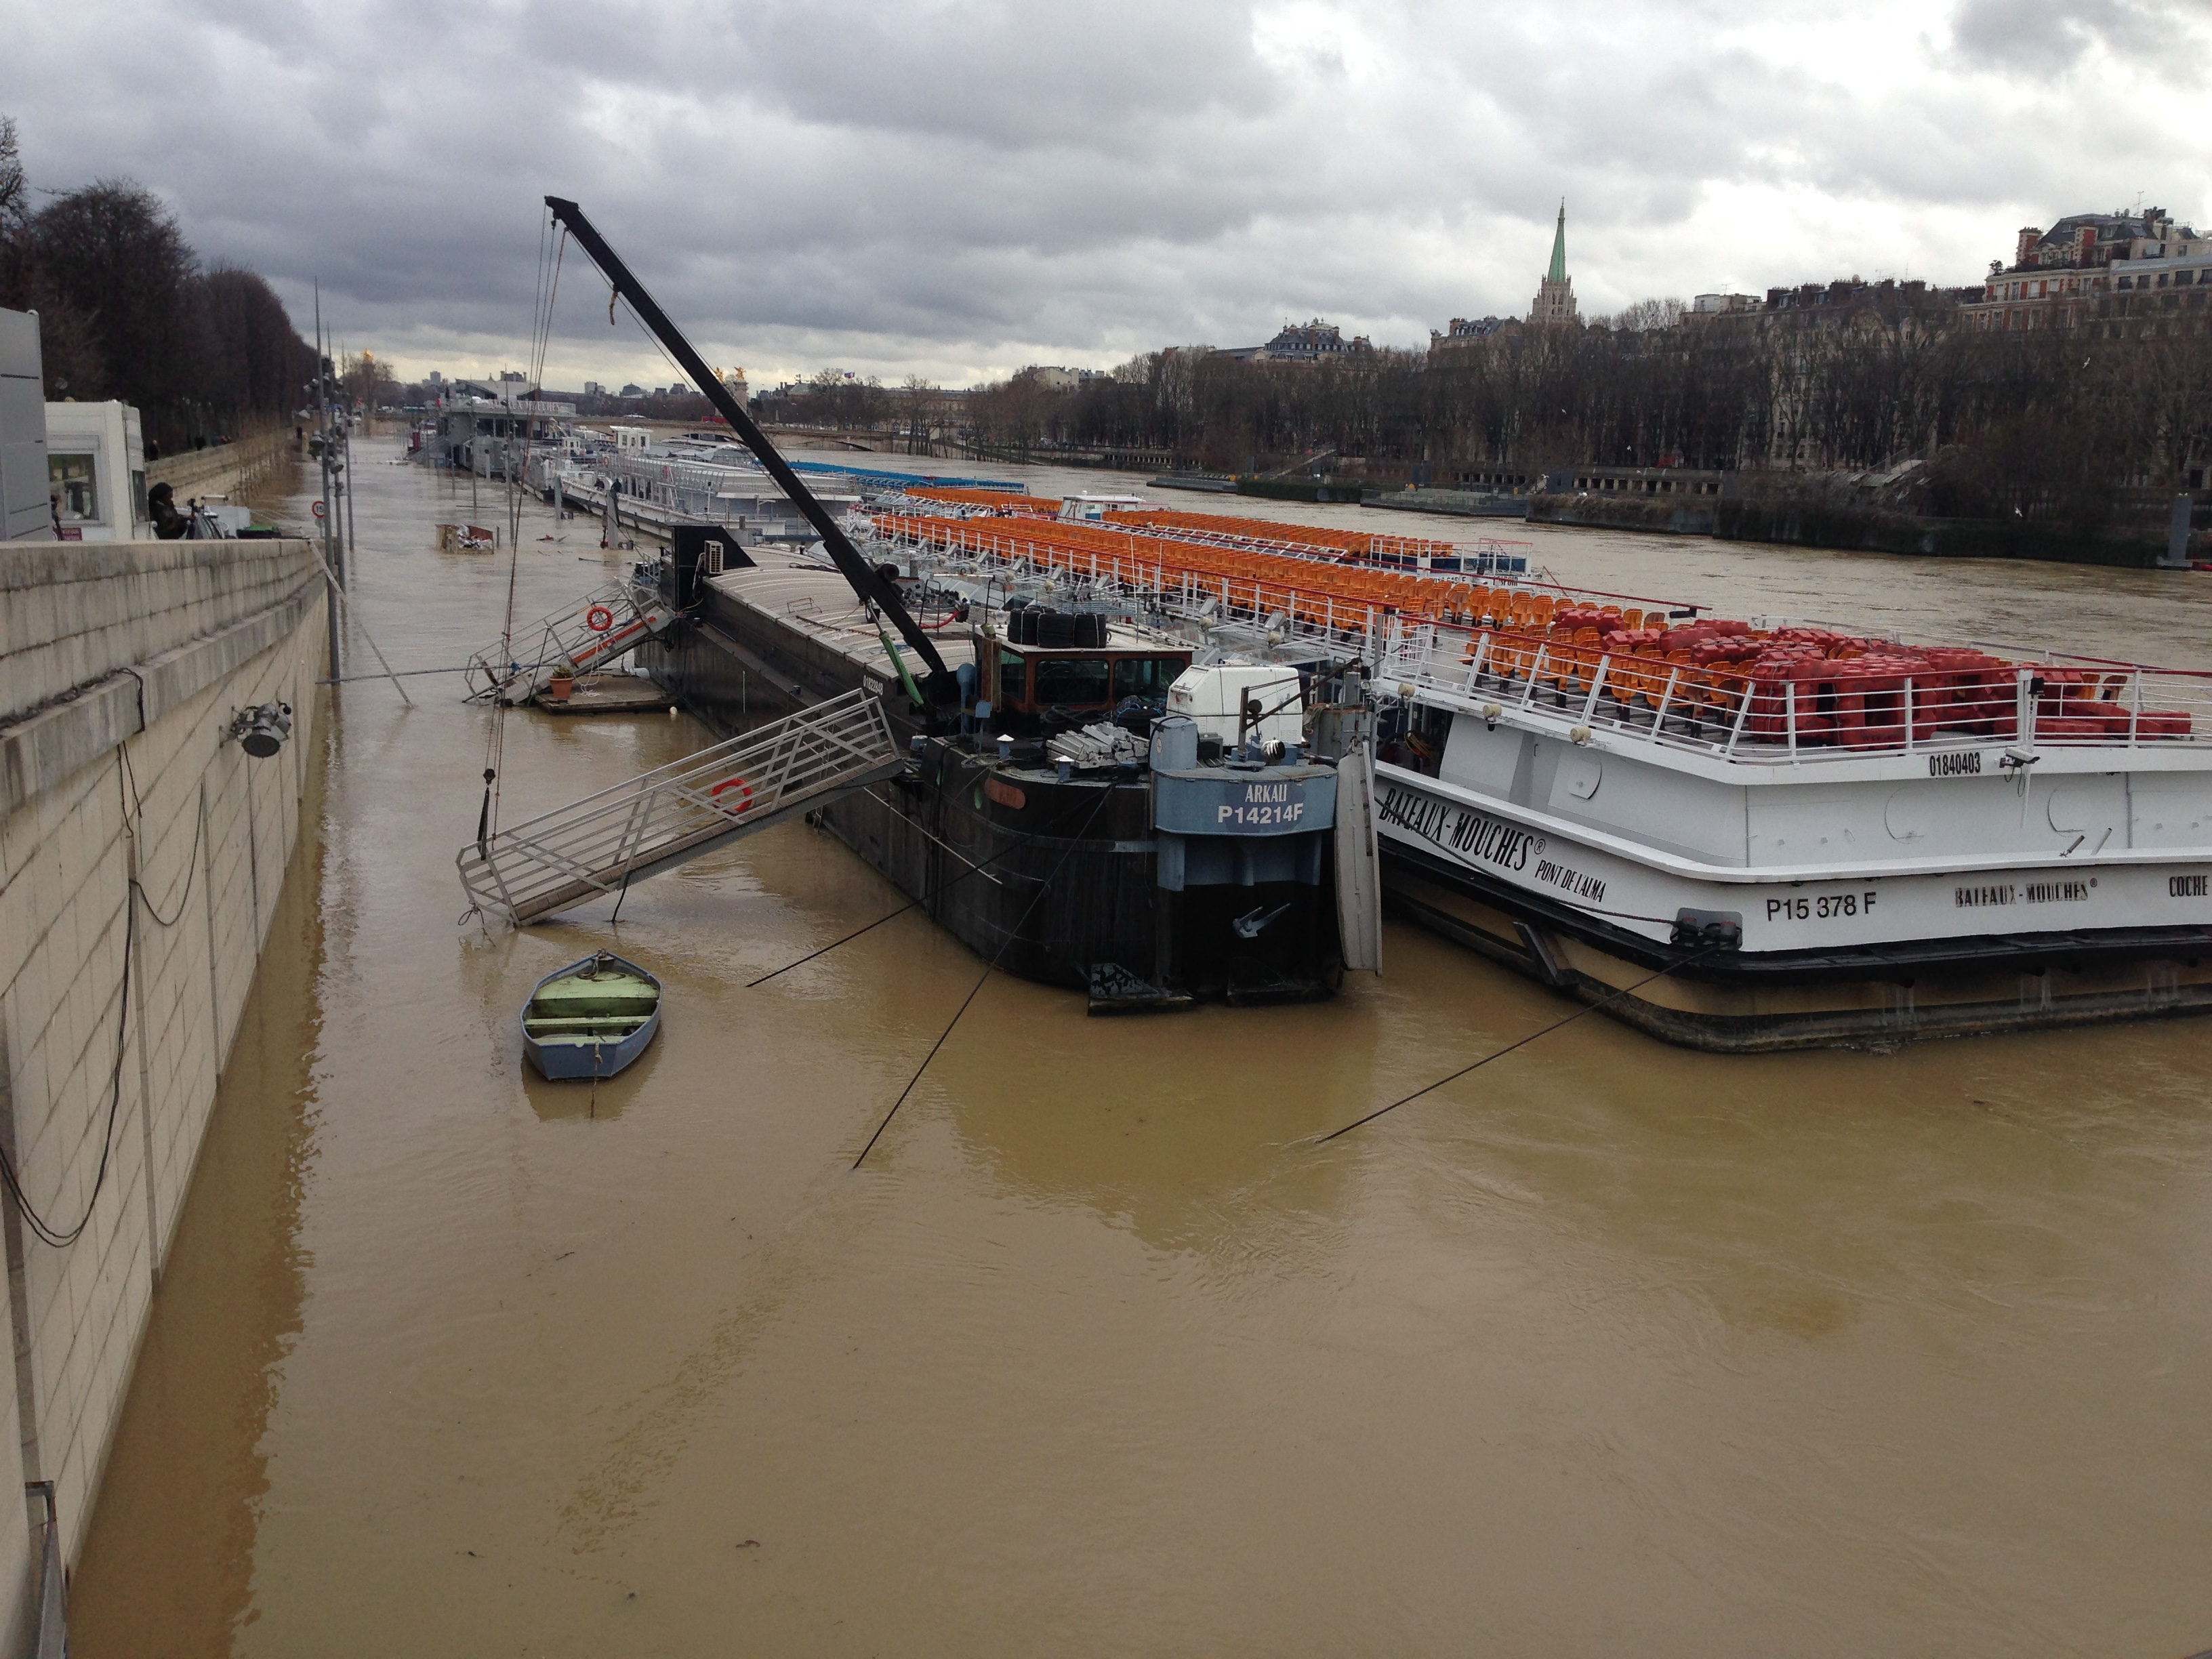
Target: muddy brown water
[1609, 1348]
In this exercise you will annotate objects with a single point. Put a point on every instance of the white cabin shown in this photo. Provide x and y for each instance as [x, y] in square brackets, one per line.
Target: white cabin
[1084, 507]
[96, 470]
[1214, 695]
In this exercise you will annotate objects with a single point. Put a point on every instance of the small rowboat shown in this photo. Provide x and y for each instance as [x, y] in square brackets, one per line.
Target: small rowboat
[591, 1018]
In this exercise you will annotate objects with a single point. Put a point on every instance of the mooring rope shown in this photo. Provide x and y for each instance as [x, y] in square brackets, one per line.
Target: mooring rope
[1476, 1065]
[990, 967]
[941, 888]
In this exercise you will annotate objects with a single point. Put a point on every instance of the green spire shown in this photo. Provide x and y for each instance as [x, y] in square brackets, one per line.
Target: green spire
[1558, 273]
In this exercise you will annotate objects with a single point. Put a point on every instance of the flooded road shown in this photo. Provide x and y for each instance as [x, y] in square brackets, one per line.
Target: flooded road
[1609, 1348]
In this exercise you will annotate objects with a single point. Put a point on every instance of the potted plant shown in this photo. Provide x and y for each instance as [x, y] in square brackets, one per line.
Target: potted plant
[563, 681]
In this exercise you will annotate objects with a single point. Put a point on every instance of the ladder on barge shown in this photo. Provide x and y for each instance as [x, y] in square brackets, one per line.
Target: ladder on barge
[667, 817]
[601, 627]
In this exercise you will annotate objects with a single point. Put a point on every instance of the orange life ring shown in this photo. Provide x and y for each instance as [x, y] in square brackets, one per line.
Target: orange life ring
[745, 800]
[599, 619]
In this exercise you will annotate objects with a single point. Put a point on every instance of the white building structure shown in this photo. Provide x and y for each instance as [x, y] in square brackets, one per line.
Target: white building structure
[96, 470]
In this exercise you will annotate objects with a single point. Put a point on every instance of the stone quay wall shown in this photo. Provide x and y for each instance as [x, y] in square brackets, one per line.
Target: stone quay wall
[226, 469]
[141, 851]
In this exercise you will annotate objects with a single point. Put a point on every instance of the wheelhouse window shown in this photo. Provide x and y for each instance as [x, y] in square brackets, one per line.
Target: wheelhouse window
[1014, 680]
[1072, 680]
[76, 479]
[1148, 678]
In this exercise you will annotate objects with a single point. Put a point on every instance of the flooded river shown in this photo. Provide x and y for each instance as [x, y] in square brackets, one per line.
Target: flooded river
[1609, 1348]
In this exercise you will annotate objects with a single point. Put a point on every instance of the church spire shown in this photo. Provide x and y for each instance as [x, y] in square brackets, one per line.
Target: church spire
[1555, 294]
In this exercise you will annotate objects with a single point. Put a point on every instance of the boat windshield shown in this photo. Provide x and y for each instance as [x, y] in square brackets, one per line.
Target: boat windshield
[1146, 676]
[1071, 679]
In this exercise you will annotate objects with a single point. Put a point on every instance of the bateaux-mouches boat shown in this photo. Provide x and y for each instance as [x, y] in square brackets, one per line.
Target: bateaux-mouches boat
[1807, 835]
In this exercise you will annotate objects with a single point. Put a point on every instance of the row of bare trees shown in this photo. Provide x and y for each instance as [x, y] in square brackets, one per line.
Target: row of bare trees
[2043, 425]
[126, 310]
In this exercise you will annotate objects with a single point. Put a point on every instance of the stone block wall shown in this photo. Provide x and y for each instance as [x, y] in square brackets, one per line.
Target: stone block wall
[141, 854]
[226, 469]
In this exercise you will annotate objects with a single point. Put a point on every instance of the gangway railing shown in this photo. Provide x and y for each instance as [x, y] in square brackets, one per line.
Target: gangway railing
[601, 627]
[598, 845]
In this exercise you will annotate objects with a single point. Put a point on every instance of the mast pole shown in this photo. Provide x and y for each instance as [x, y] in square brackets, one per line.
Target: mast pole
[331, 558]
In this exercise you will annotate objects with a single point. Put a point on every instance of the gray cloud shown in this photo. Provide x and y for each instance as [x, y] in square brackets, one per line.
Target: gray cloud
[958, 186]
[2049, 35]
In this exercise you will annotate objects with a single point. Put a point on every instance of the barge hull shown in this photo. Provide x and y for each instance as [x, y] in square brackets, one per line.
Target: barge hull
[1058, 883]
[1755, 1005]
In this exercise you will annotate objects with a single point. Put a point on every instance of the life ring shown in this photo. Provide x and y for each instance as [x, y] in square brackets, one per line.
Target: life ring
[599, 619]
[744, 799]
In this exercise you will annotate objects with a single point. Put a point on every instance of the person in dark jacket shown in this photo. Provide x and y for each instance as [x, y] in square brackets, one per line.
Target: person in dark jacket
[169, 524]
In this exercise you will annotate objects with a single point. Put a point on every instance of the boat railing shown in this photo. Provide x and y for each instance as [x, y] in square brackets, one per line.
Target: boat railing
[1140, 576]
[1910, 699]
[600, 629]
[1796, 711]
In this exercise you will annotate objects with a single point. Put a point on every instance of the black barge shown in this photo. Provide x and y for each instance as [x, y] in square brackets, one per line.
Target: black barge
[1169, 866]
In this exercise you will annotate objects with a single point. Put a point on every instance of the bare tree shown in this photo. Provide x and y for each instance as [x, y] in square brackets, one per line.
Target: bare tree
[15, 189]
[1648, 314]
[123, 311]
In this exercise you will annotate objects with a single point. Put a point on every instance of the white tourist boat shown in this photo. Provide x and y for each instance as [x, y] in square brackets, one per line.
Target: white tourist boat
[1746, 838]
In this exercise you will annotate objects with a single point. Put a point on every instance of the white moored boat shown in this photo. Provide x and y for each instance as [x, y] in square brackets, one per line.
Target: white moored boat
[1749, 838]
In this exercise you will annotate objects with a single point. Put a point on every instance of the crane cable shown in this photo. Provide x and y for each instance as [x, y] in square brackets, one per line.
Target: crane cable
[541, 325]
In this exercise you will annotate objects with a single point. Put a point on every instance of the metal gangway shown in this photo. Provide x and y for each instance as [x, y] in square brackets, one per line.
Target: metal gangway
[599, 628]
[604, 842]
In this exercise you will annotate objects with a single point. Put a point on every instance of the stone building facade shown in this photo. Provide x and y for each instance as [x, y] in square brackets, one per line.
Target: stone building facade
[2117, 273]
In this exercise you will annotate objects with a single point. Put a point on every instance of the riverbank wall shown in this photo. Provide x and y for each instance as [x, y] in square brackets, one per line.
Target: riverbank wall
[142, 852]
[1842, 527]
[227, 469]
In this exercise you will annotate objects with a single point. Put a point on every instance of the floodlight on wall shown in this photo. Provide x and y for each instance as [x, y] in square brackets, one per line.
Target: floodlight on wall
[261, 731]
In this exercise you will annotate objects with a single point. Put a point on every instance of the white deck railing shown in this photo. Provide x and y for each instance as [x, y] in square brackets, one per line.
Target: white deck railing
[1808, 711]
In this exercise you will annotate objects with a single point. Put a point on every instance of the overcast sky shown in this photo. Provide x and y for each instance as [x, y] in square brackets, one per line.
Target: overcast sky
[954, 188]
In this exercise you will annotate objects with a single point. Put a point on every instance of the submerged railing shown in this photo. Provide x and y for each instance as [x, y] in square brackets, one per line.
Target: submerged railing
[602, 627]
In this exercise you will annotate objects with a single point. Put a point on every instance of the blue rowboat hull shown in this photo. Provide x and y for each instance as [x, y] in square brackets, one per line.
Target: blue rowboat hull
[565, 1059]
[562, 1061]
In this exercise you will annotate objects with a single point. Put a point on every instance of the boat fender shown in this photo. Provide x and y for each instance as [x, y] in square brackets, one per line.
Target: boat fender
[1712, 929]
[599, 619]
[744, 796]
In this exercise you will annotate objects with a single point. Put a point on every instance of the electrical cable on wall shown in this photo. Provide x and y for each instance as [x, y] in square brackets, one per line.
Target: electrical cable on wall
[48, 1232]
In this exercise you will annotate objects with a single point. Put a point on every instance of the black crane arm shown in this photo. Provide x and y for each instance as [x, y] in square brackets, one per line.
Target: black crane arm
[870, 584]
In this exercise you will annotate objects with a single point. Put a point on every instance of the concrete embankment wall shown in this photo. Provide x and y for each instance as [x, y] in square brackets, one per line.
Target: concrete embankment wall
[141, 854]
[225, 470]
